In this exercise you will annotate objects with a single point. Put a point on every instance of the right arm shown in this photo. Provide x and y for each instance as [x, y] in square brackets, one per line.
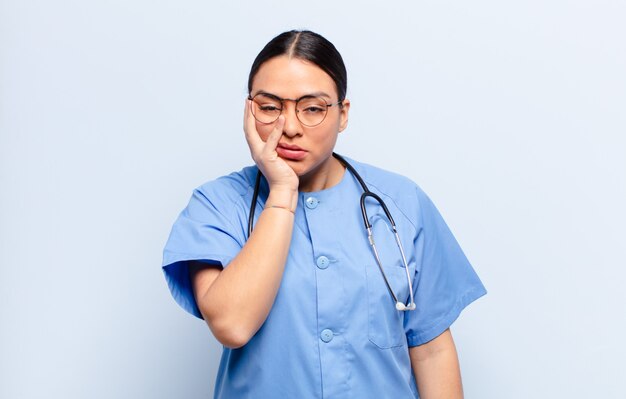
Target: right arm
[236, 300]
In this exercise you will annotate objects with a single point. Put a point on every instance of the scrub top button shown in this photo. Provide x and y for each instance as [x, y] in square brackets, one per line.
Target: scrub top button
[326, 335]
[311, 202]
[322, 262]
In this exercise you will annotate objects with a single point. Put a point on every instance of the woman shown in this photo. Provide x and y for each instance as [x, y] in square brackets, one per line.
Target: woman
[297, 295]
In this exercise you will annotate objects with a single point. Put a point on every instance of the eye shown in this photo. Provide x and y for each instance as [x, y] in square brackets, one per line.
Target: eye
[269, 108]
[314, 109]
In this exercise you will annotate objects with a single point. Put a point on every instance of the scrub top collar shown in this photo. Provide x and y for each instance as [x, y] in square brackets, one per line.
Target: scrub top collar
[326, 194]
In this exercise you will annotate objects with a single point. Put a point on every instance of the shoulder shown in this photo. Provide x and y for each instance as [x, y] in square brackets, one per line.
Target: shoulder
[387, 183]
[223, 195]
[229, 187]
[393, 187]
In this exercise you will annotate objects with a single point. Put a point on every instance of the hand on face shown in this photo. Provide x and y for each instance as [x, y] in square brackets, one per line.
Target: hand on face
[278, 173]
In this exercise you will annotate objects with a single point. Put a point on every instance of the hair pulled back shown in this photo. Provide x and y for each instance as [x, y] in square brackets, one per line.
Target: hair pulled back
[308, 46]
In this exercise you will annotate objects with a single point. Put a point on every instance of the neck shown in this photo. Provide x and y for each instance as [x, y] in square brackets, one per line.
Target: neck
[326, 175]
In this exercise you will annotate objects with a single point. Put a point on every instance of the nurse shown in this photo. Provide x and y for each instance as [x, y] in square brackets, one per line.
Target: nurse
[300, 304]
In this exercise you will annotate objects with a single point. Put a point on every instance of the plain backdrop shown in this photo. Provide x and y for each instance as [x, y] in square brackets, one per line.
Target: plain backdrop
[510, 115]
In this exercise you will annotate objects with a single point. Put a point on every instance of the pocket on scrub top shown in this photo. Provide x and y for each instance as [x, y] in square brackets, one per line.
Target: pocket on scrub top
[385, 322]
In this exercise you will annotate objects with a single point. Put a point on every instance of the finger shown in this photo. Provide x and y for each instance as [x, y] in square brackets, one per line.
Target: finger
[249, 127]
[275, 135]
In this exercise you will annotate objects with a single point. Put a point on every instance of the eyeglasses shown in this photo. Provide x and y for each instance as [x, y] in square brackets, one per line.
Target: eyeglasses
[310, 110]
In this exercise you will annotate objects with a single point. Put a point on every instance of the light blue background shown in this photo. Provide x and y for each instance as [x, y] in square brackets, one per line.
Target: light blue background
[510, 115]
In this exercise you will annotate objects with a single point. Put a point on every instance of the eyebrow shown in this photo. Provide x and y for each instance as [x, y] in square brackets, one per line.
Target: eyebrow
[314, 94]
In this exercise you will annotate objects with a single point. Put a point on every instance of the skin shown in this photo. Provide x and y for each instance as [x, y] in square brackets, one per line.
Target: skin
[235, 301]
[436, 368]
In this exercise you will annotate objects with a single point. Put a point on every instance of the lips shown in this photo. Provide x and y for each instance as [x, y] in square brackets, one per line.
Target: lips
[292, 152]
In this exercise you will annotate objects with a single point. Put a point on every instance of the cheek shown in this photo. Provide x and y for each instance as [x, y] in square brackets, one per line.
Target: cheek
[264, 130]
[326, 139]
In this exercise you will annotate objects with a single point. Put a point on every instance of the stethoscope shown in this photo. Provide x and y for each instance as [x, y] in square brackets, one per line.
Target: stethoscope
[368, 227]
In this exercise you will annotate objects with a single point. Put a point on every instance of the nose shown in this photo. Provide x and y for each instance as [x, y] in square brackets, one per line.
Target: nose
[292, 127]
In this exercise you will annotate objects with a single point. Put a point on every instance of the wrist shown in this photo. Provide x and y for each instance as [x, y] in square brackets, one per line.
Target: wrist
[283, 198]
[280, 207]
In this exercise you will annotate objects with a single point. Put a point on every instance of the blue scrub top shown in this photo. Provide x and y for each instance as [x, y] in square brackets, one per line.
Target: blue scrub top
[333, 331]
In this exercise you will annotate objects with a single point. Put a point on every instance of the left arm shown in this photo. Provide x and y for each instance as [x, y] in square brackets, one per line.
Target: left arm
[436, 368]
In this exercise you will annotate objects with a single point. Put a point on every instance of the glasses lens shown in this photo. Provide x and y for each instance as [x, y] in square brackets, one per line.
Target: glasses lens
[311, 110]
[266, 109]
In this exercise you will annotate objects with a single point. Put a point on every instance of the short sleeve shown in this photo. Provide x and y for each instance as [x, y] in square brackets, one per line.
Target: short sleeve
[202, 232]
[445, 282]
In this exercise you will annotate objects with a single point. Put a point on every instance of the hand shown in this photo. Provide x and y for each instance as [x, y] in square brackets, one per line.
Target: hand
[278, 173]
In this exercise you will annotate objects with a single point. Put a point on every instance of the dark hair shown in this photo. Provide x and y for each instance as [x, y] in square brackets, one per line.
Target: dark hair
[308, 46]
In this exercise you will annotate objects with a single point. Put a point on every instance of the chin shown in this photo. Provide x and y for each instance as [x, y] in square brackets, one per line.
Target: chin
[304, 167]
[299, 168]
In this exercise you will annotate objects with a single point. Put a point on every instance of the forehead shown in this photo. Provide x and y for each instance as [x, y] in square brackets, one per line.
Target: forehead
[291, 78]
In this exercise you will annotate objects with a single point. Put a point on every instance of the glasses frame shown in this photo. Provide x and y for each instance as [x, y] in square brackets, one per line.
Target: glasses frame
[296, 101]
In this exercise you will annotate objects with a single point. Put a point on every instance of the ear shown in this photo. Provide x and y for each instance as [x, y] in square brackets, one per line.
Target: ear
[343, 116]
